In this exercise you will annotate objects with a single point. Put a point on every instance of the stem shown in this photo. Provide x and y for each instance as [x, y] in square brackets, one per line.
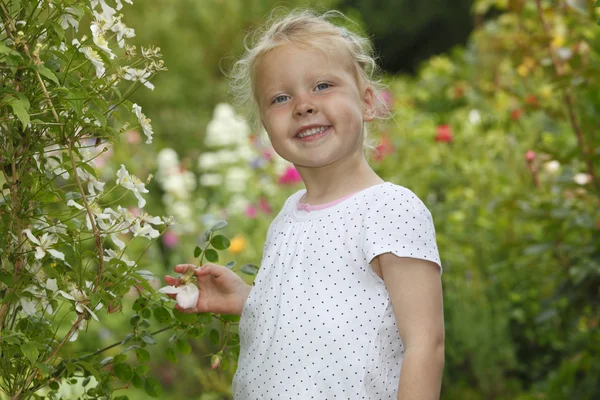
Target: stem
[558, 67]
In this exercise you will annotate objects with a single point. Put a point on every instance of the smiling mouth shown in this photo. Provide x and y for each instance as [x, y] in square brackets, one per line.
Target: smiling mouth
[312, 131]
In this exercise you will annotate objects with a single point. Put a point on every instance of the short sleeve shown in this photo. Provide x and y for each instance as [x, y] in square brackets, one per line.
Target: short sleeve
[396, 221]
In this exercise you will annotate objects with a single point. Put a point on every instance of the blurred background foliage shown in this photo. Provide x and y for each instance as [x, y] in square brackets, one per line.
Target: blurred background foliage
[495, 125]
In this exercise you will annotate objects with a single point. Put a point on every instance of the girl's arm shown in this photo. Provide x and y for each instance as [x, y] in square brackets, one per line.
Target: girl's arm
[415, 291]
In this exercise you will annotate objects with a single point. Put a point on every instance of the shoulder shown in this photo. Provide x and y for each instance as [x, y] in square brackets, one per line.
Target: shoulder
[391, 196]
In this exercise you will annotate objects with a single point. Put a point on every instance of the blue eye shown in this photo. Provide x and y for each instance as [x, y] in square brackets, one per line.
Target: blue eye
[280, 98]
[322, 86]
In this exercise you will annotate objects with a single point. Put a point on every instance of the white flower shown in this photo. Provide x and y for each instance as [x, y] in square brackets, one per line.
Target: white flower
[582, 179]
[131, 182]
[143, 226]
[226, 128]
[43, 245]
[94, 57]
[474, 117]
[187, 295]
[91, 180]
[551, 166]
[142, 75]
[67, 18]
[211, 180]
[107, 11]
[208, 161]
[144, 122]
[100, 40]
[123, 32]
[120, 5]
[110, 254]
[167, 159]
[236, 178]
[81, 327]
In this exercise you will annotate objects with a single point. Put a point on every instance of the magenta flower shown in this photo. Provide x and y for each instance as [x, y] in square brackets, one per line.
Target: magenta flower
[290, 177]
[250, 211]
[170, 239]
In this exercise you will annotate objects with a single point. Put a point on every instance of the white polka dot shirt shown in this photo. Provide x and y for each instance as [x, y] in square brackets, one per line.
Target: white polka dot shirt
[318, 323]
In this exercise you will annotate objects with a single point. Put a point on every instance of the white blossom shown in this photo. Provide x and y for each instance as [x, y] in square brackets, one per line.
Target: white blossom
[186, 295]
[95, 58]
[67, 18]
[552, 166]
[123, 32]
[100, 40]
[209, 180]
[144, 122]
[131, 182]
[226, 128]
[236, 178]
[43, 245]
[582, 179]
[142, 226]
[142, 75]
[474, 117]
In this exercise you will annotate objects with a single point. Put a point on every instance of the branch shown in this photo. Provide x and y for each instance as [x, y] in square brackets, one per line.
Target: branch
[95, 229]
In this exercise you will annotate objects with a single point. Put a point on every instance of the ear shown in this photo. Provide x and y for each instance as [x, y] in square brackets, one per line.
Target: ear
[369, 104]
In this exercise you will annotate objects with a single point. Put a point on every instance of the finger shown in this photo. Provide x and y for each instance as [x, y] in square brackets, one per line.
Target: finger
[172, 281]
[182, 268]
[186, 310]
[209, 269]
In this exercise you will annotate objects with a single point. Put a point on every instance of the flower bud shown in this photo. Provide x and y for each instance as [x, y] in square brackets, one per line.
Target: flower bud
[215, 360]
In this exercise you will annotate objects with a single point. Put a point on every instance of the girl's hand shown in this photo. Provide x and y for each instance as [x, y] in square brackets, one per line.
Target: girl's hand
[221, 290]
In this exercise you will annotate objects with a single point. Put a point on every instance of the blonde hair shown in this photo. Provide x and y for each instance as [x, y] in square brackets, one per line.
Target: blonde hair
[308, 28]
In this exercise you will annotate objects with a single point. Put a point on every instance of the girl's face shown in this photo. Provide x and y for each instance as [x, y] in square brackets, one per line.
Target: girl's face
[304, 92]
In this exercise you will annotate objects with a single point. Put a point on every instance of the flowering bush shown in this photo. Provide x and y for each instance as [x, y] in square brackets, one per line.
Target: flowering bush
[63, 237]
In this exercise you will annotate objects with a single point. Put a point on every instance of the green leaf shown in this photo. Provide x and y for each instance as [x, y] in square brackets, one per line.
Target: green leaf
[218, 225]
[140, 303]
[205, 318]
[184, 317]
[171, 355]
[141, 370]
[206, 236]
[30, 351]
[54, 385]
[20, 112]
[89, 368]
[137, 381]
[197, 252]
[220, 242]
[211, 255]
[597, 3]
[249, 269]
[4, 49]
[162, 315]
[152, 387]
[124, 372]
[148, 339]
[230, 265]
[142, 355]
[45, 72]
[183, 346]
[213, 336]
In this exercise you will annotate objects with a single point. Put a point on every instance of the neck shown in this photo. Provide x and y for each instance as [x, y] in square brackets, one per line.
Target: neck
[341, 178]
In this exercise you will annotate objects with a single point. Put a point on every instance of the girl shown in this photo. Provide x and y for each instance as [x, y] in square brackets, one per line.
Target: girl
[349, 290]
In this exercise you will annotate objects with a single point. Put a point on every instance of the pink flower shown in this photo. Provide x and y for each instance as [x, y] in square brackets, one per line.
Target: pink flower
[290, 177]
[530, 155]
[384, 148]
[387, 97]
[444, 134]
[265, 206]
[170, 239]
[133, 136]
[250, 211]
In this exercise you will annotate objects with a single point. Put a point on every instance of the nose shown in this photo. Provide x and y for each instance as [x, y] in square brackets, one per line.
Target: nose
[305, 107]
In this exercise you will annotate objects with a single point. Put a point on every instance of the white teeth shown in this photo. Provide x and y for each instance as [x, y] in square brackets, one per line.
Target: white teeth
[312, 131]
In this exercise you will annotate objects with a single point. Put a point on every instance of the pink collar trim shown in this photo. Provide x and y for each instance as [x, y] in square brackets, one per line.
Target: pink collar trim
[309, 207]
